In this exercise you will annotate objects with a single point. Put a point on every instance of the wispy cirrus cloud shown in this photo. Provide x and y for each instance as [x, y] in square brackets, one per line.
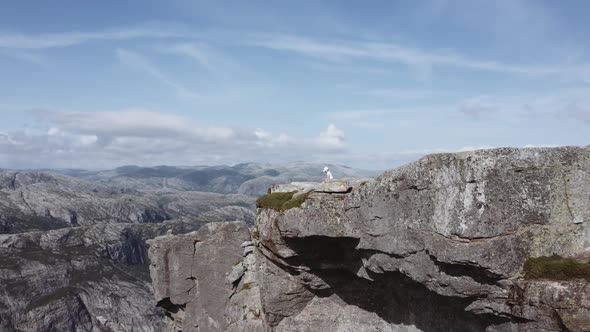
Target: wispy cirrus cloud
[142, 64]
[558, 106]
[405, 94]
[26, 56]
[199, 52]
[217, 64]
[64, 39]
[570, 103]
[421, 59]
[355, 115]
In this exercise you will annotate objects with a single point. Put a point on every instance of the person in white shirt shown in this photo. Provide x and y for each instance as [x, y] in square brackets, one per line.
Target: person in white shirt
[327, 174]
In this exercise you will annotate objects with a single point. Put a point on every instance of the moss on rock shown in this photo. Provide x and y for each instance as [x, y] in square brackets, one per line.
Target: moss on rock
[556, 268]
[281, 201]
[295, 202]
[247, 285]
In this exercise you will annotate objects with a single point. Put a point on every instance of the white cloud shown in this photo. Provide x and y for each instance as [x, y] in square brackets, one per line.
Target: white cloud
[141, 63]
[199, 52]
[54, 132]
[136, 136]
[218, 66]
[26, 56]
[420, 59]
[405, 94]
[132, 123]
[563, 103]
[262, 134]
[88, 139]
[71, 38]
[331, 138]
[356, 115]
[268, 139]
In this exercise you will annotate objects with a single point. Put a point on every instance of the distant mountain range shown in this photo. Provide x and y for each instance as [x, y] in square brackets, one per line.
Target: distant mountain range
[42, 201]
[246, 178]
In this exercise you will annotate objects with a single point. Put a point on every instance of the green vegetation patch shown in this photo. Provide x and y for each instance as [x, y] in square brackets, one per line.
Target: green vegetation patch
[248, 285]
[280, 201]
[556, 268]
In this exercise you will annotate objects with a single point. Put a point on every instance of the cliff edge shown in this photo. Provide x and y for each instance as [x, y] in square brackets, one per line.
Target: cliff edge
[490, 240]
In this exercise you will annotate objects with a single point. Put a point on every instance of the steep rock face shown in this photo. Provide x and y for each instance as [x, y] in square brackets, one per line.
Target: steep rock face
[439, 244]
[206, 279]
[436, 245]
[90, 278]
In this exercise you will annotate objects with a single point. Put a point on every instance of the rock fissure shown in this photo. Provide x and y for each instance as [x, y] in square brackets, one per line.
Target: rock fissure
[22, 196]
[567, 197]
[12, 184]
[468, 239]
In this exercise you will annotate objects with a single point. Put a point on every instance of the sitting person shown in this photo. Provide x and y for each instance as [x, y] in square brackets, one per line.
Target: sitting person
[327, 174]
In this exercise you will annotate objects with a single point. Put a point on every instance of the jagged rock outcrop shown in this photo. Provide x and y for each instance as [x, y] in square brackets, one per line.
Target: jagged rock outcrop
[206, 279]
[88, 278]
[436, 245]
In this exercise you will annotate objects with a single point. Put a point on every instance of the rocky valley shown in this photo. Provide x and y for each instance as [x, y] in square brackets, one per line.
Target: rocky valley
[73, 252]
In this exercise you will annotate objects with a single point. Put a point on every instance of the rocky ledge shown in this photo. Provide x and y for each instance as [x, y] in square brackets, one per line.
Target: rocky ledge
[443, 244]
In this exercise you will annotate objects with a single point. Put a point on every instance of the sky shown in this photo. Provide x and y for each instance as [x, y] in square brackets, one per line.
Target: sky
[373, 85]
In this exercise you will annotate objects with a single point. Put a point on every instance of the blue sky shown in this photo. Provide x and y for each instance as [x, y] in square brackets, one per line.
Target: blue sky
[372, 85]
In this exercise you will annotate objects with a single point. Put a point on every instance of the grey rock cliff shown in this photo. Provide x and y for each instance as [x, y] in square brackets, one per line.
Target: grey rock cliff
[88, 278]
[436, 245]
[205, 279]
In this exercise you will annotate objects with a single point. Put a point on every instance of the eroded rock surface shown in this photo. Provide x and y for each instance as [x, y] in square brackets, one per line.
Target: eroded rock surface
[87, 278]
[436, 245]
[206, 279]
[439, 244]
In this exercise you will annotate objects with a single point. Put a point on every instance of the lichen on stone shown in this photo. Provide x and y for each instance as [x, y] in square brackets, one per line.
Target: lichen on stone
[556, 268]
[247, 285]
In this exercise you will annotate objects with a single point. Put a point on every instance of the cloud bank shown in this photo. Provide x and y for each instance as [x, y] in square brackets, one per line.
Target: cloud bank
[137, 136]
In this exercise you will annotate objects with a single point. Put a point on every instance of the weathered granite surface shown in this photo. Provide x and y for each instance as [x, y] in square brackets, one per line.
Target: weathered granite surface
[436, 245]
[205, 279]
